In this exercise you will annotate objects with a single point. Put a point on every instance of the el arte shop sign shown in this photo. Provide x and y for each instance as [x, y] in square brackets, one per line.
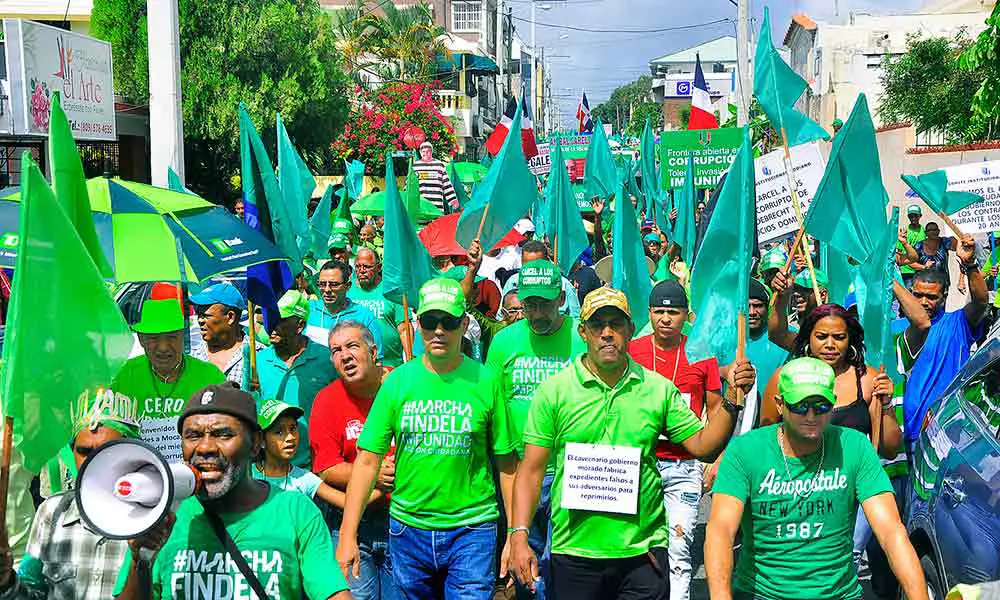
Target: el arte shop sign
[982, 178]
[713, 151]
[43, 61]
[775, 212]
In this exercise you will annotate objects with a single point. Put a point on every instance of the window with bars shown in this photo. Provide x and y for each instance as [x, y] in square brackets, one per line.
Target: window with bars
[466, 15]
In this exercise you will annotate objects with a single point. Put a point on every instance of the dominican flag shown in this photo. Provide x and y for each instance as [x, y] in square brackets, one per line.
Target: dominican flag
[495, 142]
[702, 113]
[583, 115]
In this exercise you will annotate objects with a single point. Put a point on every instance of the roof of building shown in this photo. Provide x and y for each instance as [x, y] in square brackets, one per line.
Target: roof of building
[801, 20]
[47, 10]
[721, 49]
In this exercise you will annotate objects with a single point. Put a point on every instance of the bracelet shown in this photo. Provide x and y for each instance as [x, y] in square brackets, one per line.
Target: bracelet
[513, 530]
[964, 268]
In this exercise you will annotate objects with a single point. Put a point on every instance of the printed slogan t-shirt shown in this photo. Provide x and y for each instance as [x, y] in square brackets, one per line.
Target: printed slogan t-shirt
[798, 529]
[291, 561]
[159, 404]
[445, 427]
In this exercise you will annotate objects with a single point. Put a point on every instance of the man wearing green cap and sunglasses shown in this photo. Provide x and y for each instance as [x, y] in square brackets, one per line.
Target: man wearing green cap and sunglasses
[450, 426]
[162, 379]
[793, 488]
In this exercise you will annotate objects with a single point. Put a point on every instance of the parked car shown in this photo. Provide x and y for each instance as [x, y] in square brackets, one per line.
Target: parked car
[954, 513]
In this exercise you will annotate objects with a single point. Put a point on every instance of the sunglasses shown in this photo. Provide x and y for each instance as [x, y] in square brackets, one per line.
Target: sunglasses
[447, 322]
[802, 408]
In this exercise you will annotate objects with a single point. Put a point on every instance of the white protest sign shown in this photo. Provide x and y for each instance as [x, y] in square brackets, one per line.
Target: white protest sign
[601, 478]
[981, 178]
[542, 163]
[775, 213]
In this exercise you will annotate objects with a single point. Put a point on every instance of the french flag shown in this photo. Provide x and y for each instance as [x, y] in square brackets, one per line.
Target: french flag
[702, 113]
[495, 142]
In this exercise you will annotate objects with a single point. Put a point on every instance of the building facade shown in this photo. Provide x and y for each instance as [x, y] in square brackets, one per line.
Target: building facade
[673, 78]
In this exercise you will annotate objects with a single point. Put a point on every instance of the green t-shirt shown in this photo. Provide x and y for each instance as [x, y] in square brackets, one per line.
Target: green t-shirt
[798, 535]
[912, 236]
[575, 406]
[523, 359]
[445, 427]
[388, 315]
[291, 561]
[159, 404]
[297, 480]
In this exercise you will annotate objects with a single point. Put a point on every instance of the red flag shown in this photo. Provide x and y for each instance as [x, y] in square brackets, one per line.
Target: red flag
[495, 142]
[702, 112]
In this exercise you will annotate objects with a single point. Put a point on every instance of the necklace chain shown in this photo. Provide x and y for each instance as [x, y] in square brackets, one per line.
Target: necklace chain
[819, 468]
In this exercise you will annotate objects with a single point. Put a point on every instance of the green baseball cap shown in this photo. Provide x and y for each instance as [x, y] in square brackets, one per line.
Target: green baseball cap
[913, 209]
[160, 316]
[539, 278]
[806, 378]
[804, 280]
[651, 237]
[442, 294]
[272, 409]
[338, 241]
[772, 259]
[837, 123]
[293, 304]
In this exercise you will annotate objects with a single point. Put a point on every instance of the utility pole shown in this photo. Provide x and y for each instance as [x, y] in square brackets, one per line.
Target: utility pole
[743, 85]
[534, 60]
[501, 47]
[166, 127]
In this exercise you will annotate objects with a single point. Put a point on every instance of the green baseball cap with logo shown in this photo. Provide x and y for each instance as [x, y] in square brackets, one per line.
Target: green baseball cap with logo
[803, 279]
[442, 294]
[293, 304]
[772, 259]
[804, 378]
[913, 209]
[540, 279]
[272, 409]
[338, 241]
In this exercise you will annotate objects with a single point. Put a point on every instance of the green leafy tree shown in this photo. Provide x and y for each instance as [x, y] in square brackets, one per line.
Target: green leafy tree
[647, 110]
[279, 56]
[927, 86]
[983, 59]
[624, 102]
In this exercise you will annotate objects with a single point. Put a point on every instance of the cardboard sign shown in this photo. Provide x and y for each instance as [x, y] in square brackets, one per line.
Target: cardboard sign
[981, 178]
[541, 164]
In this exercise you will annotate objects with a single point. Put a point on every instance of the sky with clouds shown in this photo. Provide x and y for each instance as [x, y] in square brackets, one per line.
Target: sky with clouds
[599, 61]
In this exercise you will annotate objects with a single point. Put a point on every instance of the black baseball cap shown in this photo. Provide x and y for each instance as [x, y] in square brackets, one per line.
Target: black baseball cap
[225, 398]
[759, 291]
[668, 293]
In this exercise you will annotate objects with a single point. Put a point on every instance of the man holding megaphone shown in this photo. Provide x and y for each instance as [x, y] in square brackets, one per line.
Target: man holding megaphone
[238, 536]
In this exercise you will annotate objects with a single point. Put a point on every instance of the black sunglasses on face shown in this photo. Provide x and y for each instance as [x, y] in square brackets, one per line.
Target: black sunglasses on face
[802, 408]
[447, 322]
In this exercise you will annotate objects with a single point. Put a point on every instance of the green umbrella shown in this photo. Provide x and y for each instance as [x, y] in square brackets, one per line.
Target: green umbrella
[469, 172]
[155, 234]
[374, 205]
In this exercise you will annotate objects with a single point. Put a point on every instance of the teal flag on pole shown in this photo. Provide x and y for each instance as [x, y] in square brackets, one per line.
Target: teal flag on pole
[685, 229]
[406, 263]
[630, 273]
[933, 189]
[600, 175]
[295, 182]
[565, 227]
[354, 178]
[320, 225]
[873, 289]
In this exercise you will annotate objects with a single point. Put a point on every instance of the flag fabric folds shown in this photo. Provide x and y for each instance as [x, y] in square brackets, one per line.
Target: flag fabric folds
[354, 178]
[406, 263]
[600, 175]
[507, 124]
[320, 225]
[630, 273]
[647, 169]
[295, 181]
[461, 195]
[565, 227]
[933, 189]
[839, 272]
[720, 279]
[702, 111]
[175, 184]
[57, 353]
[848, 209]
[584, 122]
[777, 88]
[685, 228]
[509, 190]
[873, 289]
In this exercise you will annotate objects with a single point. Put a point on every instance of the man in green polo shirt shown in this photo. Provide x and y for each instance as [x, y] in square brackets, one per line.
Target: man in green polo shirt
[525, 354]
[600, 419]
[793, 489]
[450, 426]
[293, 368]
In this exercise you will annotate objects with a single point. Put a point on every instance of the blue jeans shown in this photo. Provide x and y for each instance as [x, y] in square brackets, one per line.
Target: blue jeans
[448, 564]
[540, 540]
[376, 581]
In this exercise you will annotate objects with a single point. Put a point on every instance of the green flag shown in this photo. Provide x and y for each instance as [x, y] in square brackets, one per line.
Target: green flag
[540, 213]
[70, 185]
[720, 279]
[296, 184]
[647, 168]
[174, 182]
[685, 228]
[777, 88]
[600, 174]
[564, 224]
[848, 209]
[320, 225]
[874, 293]
[839, 270]
[460, 194]
[630, 272]
[407, 265]
[343, 222]
[354, 178]
[58, 350]
[411, 196]
[509, 189]
[933, 188]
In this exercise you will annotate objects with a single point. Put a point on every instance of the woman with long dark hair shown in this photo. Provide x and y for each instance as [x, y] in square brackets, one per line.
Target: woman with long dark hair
[833, 335]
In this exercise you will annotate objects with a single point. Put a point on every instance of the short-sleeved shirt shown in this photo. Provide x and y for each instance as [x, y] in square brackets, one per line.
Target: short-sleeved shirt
[940, 257]
[321, 321]
[693, 381]
[446, 428]
[388, 315]
[575, 406]
[522, 360]
[159, 404]
[291, 560]
[297, 385]
[335, 425]
[570, 306]
[297, 480]
[912, 237]
[798, 514]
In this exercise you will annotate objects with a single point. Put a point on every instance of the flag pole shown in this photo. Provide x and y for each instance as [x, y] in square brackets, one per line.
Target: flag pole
[788, 261]
[8, 437]
[408, 342]
[253, 341]
[877, 422]
[951, 224]
[482, 222]
[793, 186]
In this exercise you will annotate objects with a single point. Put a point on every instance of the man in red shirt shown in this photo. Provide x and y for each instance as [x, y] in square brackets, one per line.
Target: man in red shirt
[700, 385]
[335, 423]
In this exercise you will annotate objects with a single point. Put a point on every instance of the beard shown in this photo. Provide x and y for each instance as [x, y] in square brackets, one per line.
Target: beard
[232, 474]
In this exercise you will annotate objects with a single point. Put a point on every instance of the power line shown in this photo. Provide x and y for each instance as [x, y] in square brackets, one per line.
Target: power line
[657, 30]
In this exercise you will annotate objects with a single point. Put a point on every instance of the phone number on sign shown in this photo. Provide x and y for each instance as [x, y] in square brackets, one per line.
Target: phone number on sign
[90, 127]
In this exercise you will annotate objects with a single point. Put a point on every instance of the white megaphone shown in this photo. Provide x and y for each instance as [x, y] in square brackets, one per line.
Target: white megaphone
[126, 488]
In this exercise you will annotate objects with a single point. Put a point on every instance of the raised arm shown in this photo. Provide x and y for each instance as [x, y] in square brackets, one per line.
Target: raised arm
[723, 523]
[777, 321]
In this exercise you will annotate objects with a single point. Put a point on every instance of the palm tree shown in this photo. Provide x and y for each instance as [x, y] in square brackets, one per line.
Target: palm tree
[408, 43]
[357, 27]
